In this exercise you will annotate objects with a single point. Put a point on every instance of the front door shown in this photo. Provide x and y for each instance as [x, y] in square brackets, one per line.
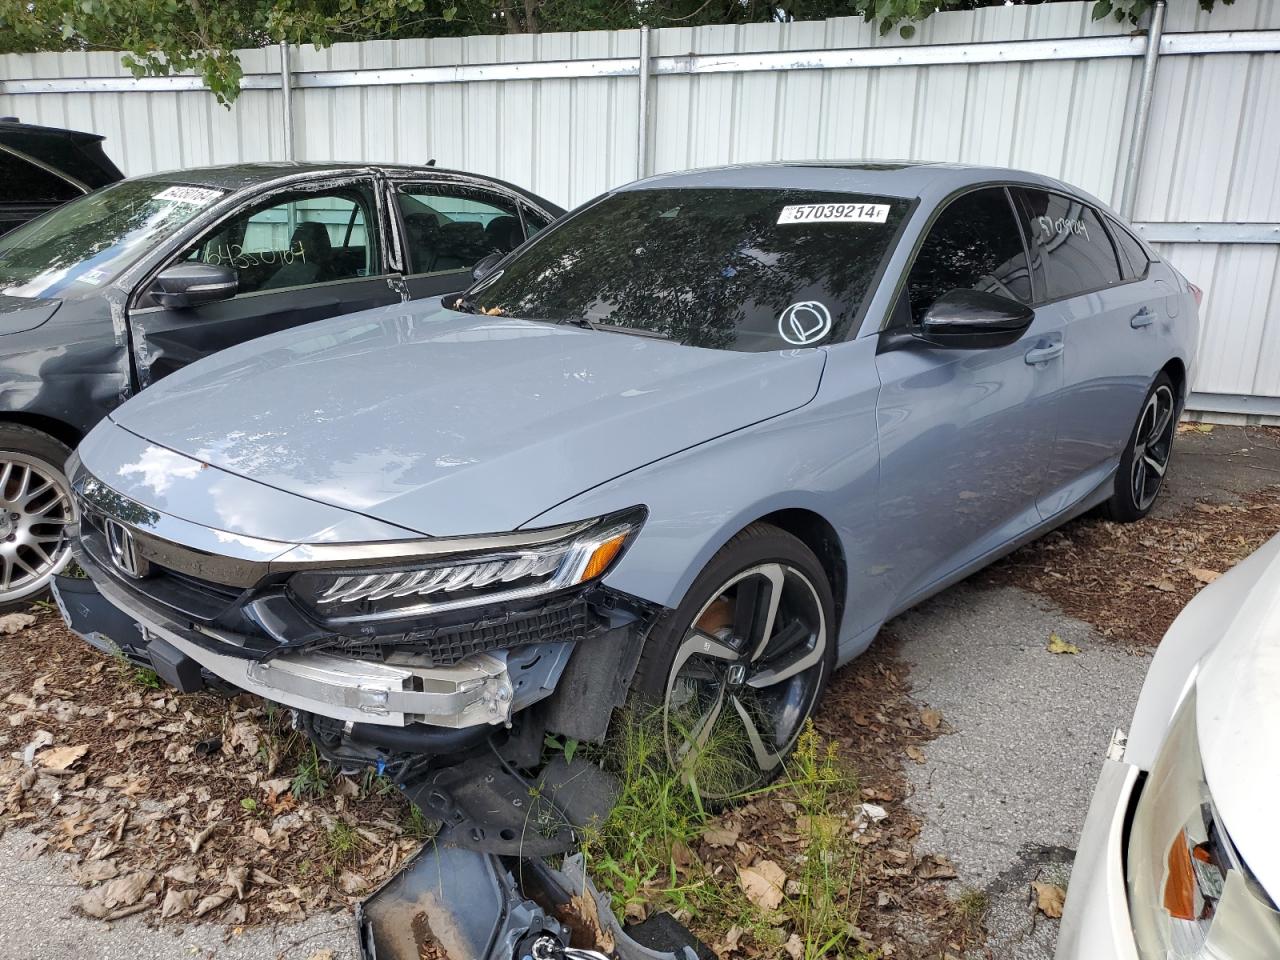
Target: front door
[300, 256]
[965, 434]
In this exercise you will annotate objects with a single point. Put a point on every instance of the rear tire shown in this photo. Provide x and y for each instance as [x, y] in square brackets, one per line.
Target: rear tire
[35, 497]
[742, 662]
[1147, 454]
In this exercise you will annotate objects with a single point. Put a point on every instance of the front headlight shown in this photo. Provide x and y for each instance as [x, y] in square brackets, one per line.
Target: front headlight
[1190, 895]
[505, 569]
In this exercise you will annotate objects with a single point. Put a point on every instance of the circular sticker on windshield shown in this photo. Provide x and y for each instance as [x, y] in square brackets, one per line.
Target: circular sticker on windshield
[804, 323]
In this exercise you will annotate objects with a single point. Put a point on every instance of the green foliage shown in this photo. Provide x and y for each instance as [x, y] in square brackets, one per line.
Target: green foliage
[161, 37]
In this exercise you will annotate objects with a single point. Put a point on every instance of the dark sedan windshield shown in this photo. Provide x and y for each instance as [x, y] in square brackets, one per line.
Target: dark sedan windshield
[733, 269]
[75, 249]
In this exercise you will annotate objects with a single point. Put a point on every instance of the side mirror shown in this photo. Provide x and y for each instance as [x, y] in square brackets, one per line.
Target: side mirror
[974, 318]
[186, 285]
[484, 266]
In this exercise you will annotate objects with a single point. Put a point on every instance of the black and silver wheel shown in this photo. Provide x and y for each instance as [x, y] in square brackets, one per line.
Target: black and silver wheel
[741, 666]
[1146, 459]
[35, 498]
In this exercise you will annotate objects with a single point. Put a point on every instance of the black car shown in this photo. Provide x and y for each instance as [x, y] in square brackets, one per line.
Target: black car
[44, 167]
[105, 295]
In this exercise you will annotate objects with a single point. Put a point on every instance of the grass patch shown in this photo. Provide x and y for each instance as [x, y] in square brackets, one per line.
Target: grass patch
[663, 848]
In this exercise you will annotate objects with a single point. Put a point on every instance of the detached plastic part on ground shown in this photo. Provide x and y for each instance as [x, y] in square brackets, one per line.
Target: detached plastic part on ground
[451, 903]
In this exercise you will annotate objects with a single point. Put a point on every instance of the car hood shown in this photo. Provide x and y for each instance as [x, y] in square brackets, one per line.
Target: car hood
[1238, 718]
[24, 313]
[449, 424]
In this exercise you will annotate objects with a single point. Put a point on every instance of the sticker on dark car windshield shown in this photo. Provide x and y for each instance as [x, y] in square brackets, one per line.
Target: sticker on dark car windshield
[834, 213]
[190, 196]
[804, 323]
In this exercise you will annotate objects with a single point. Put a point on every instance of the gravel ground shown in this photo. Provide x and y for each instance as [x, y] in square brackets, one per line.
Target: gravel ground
[37, 923]
[1003, 794]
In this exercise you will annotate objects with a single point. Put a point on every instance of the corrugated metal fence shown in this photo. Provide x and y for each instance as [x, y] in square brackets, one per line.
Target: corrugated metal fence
[1039, 87]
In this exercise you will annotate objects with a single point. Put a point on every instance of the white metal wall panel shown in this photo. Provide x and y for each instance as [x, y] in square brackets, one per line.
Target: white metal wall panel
[1212, 155]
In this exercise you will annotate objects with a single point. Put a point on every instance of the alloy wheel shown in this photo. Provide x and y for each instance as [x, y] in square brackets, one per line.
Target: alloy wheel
[745, 679]
[1152, 445]
[35, 500]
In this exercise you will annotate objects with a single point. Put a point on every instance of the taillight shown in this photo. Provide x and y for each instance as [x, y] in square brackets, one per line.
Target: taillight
[1197, 293]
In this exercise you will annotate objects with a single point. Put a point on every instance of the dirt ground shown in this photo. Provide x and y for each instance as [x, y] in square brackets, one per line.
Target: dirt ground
[166, 826]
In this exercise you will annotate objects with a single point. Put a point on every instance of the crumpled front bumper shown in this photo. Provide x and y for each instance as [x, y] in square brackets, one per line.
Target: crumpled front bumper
[478, 690]
[1095, 921]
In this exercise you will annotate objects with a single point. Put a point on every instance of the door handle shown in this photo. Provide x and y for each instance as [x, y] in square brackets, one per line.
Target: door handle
[1044, 352]
[1143, 318]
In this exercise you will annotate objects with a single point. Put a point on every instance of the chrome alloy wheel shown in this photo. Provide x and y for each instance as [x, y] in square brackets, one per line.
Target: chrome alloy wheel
[745, 679]
[1152, 445]
[36, 502]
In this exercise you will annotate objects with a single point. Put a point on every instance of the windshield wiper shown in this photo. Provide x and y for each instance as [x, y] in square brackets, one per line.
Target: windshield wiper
[614, 328]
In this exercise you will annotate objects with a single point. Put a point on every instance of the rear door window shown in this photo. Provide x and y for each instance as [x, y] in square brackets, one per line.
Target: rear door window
[973, 245]
[448, 228]
[1070, 247]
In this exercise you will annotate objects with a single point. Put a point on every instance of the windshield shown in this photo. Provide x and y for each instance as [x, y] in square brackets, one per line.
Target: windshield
[732, 269]
[73, 250]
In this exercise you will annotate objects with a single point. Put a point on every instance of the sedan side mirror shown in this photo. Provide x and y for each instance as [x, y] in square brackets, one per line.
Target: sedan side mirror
[974, 318]
[484, 266]
[186, 285]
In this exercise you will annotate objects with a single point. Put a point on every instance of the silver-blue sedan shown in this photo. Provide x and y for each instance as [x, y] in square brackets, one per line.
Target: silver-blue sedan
[691, 446]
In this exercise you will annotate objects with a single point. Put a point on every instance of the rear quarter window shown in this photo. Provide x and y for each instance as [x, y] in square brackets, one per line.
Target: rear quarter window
[1133, 255]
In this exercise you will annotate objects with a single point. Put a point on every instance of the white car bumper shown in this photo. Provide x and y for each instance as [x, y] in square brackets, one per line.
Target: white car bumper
[1095, 923]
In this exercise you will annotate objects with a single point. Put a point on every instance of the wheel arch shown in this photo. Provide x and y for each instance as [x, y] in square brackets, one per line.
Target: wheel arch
[58, 429]
[1177, 371]
[816, 532]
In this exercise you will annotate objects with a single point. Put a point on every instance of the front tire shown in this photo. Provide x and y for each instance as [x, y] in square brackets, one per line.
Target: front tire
[35, 497]
[742, 662]
[1146, 458]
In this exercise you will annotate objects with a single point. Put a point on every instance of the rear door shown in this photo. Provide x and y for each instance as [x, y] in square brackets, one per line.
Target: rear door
[1110, 316]
[965, 433]
[447, 228]
[301, 256]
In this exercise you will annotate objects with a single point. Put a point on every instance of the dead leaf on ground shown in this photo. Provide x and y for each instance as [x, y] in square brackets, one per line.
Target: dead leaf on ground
[1204, 575]
[936, 867]
[1057, 645]
[931, 718]
[61, 758]
[1049, 898]
[916, 754]
[720, 835]
[12, 623]
[103, 901]
[176, 902]
[763, 884]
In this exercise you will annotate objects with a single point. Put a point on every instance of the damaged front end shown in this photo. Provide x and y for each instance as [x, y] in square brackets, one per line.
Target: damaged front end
[444, 664]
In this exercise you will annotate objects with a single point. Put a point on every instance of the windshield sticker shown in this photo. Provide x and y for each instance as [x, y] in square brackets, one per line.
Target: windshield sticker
[189, 196]
[834, 213]
[93, 277]
[804, 323]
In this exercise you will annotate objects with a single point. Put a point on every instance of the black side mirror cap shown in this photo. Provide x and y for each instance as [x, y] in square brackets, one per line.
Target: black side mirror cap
[186, 285]
[484, 266]
[974, 318]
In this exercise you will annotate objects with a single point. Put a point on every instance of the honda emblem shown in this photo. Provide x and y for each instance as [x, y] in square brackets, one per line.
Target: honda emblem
[124, 551]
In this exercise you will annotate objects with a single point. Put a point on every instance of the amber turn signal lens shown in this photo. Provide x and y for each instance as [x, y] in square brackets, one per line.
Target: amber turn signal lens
[1179, 889]
[602, 557]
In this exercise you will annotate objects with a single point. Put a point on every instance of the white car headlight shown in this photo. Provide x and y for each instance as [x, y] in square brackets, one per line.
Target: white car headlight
[499, 573]
[1190, 894]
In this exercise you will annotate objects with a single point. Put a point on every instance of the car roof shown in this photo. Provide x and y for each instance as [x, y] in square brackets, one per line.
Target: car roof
[908, 179]
[244, 176]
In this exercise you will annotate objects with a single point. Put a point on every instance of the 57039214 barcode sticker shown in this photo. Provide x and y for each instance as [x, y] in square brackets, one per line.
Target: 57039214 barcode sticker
[834, 213]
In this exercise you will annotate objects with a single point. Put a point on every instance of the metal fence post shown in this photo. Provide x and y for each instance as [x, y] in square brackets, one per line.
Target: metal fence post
[286, 93]
[1133, 168]
[642, 141]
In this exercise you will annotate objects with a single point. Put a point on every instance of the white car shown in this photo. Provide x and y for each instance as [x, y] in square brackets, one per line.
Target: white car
[1180, 854]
